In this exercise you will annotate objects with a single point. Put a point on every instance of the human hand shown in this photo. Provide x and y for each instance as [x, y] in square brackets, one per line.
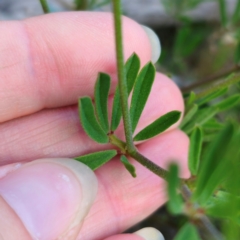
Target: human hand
[46, 64]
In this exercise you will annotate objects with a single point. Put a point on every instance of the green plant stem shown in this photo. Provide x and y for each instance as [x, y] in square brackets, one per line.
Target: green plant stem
[149, 164]
[226, 83]
[206, 228]
[121, 76]
[211, 79]
[45, 6]
[118, 143]
[131, 150]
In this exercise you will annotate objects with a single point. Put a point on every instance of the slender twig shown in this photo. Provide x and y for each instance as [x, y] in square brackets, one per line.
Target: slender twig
[149, 164]
[45, 6]
[224, 84]
[210, 79]
[130, 147]
[208, 230]
[121, 76]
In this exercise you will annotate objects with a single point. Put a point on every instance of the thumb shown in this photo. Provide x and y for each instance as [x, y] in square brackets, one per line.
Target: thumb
[45, 199]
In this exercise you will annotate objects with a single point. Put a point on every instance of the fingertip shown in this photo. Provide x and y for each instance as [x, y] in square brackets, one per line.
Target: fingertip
[51, 197]
[149, 233]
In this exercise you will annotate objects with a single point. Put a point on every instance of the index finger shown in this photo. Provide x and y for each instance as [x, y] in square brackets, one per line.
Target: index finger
[50, 61]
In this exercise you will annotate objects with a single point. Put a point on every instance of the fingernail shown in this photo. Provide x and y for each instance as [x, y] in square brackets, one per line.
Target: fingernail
[149, 233]
[50, 196]
[155, 43]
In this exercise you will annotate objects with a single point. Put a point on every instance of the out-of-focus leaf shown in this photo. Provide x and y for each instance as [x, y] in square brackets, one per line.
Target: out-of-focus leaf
[188, 116]
[201, 117]
[212, 125]
[89, 121]
[195, 150]
[128, 166]
[223, 12]
[189, 35]
[209, 137]
[187, 232]
[158, 126]
[191, 99]
[141, 92]
[132, 67]
[237, 54]
[220, 206]
[45, 6]
[102, 87]
[228, 103]
[175, 202]
[97, 159]
[213, 165]
[236, 14]
[212, 96]
[216, 178]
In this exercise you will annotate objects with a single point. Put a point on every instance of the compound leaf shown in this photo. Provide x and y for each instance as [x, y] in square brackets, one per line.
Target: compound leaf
[132, 67]
[89, 121]
[102, 87]
[158, 126]
[141, 92]
[97, 159]
[128, 166]
[195, 150]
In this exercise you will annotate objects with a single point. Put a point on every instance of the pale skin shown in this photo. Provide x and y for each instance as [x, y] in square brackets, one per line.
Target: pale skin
[46, 64]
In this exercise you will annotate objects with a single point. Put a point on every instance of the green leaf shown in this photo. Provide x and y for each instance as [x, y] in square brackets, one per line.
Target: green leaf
[188, 116]
[192, 35]
[45, 6]
[237, 54]
[213, 166]
[158, 126]
[221, 206]
[195, 150]
[141, 92]
[201, 117]
[191, 99]
[236, 14]
[132, 67]
[228, 103]
[128, 166]
[175, 202]
[223, 12]
[97, 159]
[188, 231]
[89, 121]
[212, 125]
[102, 87]
[211, 96]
